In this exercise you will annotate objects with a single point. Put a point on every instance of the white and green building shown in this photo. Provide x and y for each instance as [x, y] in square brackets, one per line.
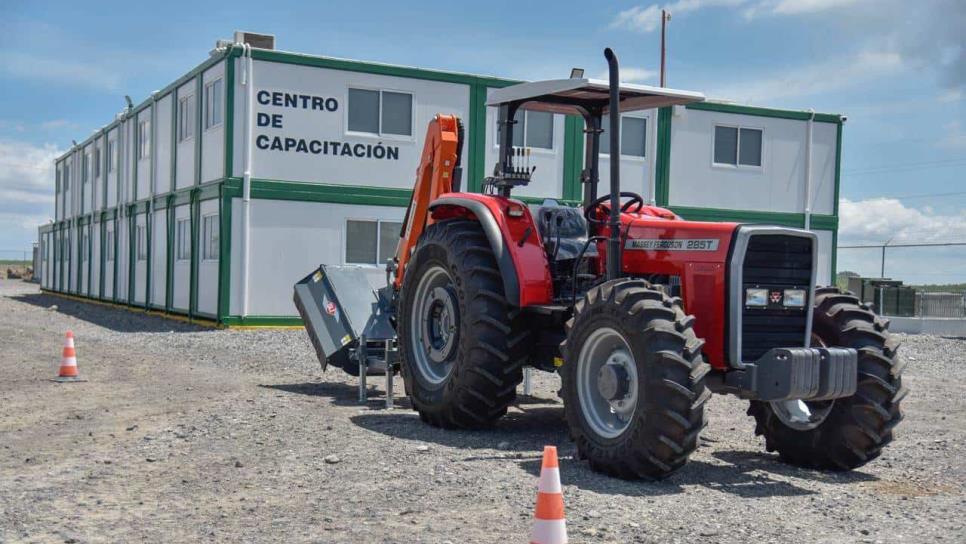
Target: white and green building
[212, 197]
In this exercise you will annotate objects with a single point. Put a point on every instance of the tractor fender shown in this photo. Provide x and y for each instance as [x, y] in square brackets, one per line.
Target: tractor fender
[515, 242]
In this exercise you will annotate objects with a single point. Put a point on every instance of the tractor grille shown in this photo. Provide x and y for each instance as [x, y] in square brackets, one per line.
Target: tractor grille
[775, 262]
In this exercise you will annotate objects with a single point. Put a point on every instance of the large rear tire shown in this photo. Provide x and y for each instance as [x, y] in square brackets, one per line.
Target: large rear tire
[849, 432]
[633, 381]
[461, 344]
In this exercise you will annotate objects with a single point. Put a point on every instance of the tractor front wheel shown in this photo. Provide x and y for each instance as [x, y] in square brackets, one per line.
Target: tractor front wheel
[845, 433]
[462, 350]
[633, 381]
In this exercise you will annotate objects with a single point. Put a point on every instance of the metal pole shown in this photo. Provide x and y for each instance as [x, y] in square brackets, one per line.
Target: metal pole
[389, 398]
[882, 269]
[614, 221]
[527, 386]
[363, 369]
[665, 17]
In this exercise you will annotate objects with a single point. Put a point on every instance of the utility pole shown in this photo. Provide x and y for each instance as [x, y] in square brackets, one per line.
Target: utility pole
[882, 270]
[665, 17]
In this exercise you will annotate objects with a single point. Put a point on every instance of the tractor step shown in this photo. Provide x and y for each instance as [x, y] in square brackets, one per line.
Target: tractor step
[794, 373]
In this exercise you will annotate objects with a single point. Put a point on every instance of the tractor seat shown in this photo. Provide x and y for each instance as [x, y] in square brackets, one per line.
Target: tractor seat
[568, 223]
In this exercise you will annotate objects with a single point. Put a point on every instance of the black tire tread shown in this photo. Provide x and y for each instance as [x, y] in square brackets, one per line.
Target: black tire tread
[858, 427]
[666, 428]
[489, 364]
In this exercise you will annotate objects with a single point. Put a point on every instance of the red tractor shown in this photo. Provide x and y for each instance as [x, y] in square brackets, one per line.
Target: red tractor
[643, 313]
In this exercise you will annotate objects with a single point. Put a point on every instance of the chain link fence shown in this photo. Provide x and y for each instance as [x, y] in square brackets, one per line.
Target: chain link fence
[911, 280]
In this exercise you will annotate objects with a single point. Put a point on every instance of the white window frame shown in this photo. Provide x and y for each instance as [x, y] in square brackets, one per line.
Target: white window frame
[182, 242]
[381, 135]
[85, 167]
[533, 150]
[186, 125]
[111, 155]
[207, 245]
[737, 165]
[109, 244]
[144, 139]
[378, 222]
[647, 138]
[210, 121]
[141, 242]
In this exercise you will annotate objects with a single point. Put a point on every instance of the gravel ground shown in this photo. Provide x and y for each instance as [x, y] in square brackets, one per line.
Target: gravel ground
[189, 434]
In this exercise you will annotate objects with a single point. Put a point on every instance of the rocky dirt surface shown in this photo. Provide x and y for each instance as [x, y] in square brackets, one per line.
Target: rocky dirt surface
[189, 434]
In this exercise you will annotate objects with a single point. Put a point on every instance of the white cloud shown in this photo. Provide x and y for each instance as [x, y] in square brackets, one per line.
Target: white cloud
[833, 75]
[632, 74]
[26, 191]
[955, 136]
[648, 19]
[951, 95]
[30, 67]
[794, 7]
[55, 124]
[26, 167]
[877, 220]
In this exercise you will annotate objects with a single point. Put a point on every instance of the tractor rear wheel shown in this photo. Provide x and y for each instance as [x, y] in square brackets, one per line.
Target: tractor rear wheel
[845, 433]
[633, 380]
[462, 348]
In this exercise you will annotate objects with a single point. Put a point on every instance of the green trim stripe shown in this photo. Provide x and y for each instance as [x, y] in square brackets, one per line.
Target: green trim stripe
[332, 63]
[765, 112]
[662, 168]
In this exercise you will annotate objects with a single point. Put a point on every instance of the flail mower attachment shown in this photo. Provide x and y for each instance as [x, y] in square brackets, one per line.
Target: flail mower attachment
[351, 329]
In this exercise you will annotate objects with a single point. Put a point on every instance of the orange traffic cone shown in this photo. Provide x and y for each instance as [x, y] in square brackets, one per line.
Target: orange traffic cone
[68, 363]
[549, 524]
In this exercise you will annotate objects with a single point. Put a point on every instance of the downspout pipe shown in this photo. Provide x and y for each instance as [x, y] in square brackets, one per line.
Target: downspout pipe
[808, 169]
[249, 84]
[614, 242]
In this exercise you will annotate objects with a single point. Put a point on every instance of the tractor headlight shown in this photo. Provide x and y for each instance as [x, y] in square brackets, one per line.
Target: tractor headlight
[756, 297]
[794, 298]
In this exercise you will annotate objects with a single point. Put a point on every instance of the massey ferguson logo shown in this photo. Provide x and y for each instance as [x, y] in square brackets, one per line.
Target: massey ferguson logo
[775, 297]
[331, 309]
[674, 244]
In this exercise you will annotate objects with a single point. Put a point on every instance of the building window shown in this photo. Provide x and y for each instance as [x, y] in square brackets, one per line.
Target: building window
[84, 242]
[97, 162]
[142, 242]
[213, 104]
[110, 246]
[209, 233]
[532, 129]
[633, 136]
[371, 242]
[183, 246]
[86, 168]
[144, 139]
[380, 112]
[186, 116]
[66, 177]
[737, 146]
[111, 156]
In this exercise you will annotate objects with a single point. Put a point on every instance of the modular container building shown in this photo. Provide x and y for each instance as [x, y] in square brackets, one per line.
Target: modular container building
[211, 198]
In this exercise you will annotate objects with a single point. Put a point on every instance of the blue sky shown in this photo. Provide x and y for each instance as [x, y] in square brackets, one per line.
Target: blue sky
[897, 72]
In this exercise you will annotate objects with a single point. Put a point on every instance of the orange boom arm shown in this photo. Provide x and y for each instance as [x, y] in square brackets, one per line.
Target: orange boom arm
[434, 176]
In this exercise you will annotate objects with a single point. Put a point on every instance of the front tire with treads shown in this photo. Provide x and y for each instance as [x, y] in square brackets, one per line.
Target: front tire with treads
[462, 345]
[647, 426]
[856, 428]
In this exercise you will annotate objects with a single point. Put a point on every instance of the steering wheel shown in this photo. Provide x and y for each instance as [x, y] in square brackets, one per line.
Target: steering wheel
[625, 207]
